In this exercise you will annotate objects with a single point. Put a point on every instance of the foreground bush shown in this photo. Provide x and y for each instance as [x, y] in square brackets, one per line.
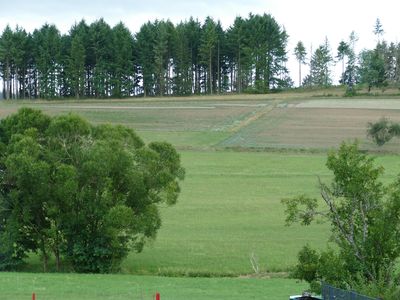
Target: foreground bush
[84, 193]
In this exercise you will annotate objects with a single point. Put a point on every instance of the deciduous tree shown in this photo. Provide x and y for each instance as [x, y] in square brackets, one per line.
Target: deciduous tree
[363, 214]
[87, 193]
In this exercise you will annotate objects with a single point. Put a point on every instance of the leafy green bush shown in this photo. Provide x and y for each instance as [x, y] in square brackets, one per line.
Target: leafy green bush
[84, 193]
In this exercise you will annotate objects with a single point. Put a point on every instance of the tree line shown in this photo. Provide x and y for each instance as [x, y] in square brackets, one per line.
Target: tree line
[100, 61]
[378, 67]
[192, 57]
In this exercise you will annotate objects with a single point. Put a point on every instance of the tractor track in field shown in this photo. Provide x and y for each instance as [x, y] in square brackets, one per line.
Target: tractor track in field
[254, 117]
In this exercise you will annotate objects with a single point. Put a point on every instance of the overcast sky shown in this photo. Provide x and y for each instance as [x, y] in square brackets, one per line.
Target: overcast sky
[307, 20]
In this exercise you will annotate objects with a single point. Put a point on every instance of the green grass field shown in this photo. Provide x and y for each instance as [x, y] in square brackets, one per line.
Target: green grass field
[20, 286]
[229, 208]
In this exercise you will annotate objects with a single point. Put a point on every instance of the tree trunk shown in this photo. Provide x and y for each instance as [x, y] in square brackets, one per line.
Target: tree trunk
[9, 80]
[343, 67]
[144, 89]
[45, 256]
[58, 259]
[23, 84]
[16, 85]
[239, 74]
[218, 73]
[4, 88]
[299, 73]
[210, 71]
[232, 75]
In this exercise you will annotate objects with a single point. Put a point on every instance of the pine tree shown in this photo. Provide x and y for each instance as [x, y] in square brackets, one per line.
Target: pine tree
[100, 35]
[194, 32]
[47, 51]
[342, 51]
[183, 67]
[320, 66]
[77, 67]
[207, 49]
[378, 29]
[235, 47]
[6, 59]
[162, 55]
[300, 53]
[145, 44]
[123, 71]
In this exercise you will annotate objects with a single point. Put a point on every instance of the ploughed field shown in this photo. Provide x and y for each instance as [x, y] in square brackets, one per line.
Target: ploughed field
[251, 122]
[242, 156]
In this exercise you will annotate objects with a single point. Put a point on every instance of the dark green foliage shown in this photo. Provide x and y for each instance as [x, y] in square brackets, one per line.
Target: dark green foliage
[320, 73]
[315, 267]
[161, 59]
[145, 44]
[383, 131]
[307, 266]
[76, 67]
[364, 216]
[47, 56]
[84, 193]
[123, 62]
[372, 69]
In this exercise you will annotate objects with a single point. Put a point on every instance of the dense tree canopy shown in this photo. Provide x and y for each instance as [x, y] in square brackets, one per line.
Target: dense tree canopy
[84, 193]
[191, 57]
[161, 59]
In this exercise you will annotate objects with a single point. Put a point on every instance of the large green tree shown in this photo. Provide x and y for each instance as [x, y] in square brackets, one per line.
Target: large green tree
[76, 66]
[100, 35]
[6, 60]
[47, 53]
[123, 62]
[208, 47]
[85, 193]
[145, 45]
[364, 219]
[236, 42]
[372, 69]
[320, 72]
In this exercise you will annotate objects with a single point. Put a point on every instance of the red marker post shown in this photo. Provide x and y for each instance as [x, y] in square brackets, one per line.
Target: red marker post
[158, 296]
[33, 296]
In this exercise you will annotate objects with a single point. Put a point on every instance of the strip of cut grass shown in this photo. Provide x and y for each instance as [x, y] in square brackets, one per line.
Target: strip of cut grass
[186, 139]
[20, 286]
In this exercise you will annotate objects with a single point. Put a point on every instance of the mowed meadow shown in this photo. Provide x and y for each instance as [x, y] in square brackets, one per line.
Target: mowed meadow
[242, 155]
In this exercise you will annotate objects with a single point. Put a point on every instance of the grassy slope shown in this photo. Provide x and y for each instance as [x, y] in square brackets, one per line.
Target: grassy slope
[20, 286]
[229, 208]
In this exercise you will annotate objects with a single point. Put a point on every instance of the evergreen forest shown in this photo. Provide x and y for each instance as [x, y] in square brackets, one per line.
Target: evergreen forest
[163, 59]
